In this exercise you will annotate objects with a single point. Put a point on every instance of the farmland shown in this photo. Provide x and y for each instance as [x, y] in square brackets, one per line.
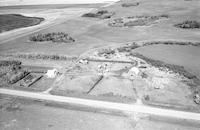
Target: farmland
[14, 21]
[101, 60]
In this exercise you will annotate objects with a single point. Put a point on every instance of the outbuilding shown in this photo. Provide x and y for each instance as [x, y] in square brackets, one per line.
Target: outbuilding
[52, 73]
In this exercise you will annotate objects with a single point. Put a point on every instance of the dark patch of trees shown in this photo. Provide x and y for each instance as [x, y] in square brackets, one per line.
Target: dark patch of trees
[188, 24]
[54, 37]
[102, 14]
[130, 4]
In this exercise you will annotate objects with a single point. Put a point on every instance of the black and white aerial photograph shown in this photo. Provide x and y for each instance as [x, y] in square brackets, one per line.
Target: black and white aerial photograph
[99, 64]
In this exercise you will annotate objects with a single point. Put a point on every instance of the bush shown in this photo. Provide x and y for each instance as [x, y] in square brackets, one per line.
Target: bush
[9, 66]
[90, 15]
[146, 97]
[54, 37]
[139, 22]
[11, 72]
[171, 43]
[106, 52]
[9, 63]
[144, 75]
[102, 14]
[164, 15]
[188, 24]
[16, 77]
[42, 56]
[130, 4]
[128, 48]
[136, 21]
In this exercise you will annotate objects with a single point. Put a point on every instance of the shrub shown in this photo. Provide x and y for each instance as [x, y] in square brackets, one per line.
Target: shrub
[146, 97]
[11, 72]
[54, 37]
[130, 4]
[188, 24]
[144, 75]
[90, 15]
[136, 20]
[164, 15]
[128, 48]
[102, 14]
[172, 43]
[16, 77]
[9, 62]
[42, 56]
[106, 52]
[139, 22]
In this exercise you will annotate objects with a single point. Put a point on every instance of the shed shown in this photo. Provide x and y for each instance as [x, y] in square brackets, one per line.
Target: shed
[52, 73]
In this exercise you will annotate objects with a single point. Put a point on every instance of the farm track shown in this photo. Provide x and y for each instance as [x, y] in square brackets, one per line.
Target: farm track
[106, 105]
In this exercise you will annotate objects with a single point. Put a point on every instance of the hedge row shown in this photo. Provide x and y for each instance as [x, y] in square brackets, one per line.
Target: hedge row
[9, 62]
[172, 43]
[42, 56]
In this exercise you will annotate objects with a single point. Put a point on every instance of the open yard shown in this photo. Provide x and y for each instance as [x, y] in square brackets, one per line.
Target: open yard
[77, 84]
[114, 87]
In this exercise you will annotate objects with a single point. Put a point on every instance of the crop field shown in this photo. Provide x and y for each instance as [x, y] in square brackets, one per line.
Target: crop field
[14, 21]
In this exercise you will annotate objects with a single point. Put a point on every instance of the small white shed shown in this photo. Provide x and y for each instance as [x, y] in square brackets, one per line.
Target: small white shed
[52, 73]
